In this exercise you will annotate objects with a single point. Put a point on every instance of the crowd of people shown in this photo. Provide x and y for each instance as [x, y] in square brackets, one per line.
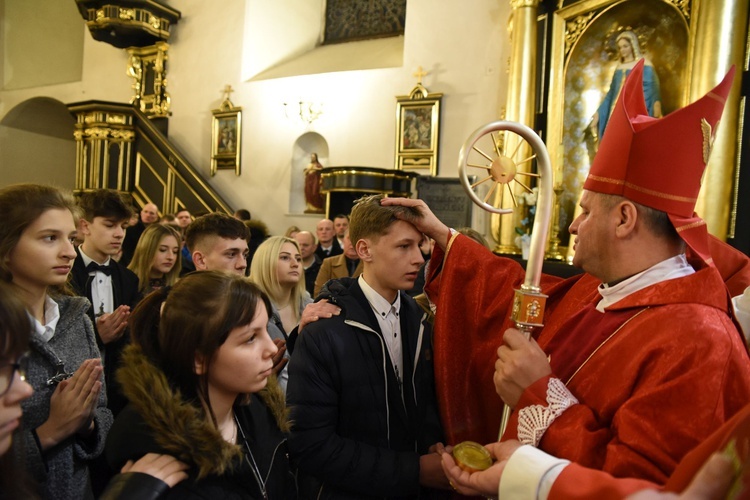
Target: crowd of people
[189, 356]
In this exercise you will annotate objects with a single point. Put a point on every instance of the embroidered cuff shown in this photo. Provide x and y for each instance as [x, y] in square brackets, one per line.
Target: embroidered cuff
[534, 420]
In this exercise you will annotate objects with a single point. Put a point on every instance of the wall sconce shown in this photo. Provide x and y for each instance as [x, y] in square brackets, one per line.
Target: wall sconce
[308, 112]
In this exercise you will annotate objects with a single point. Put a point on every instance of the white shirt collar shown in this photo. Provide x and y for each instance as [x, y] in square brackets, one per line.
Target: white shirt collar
[378, 303]
[51, 315]
[669, 269]
[387, 315]
[87, 260]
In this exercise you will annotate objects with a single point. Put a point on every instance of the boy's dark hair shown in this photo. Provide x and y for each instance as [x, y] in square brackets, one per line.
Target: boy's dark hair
[370, 218]
[105, 203]
[214, 224]
[243, 214]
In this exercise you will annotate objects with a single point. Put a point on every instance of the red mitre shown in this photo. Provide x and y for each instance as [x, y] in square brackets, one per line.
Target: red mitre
[659, 162]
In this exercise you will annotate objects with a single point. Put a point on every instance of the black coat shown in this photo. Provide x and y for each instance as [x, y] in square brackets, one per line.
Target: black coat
[335, 250]
[132, 235]
[124, 292]
[310, 274]
[159, 420]
[354, 434]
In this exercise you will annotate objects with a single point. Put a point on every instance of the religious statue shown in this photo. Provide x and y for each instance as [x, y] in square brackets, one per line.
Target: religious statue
[629, 54]
[313, 199]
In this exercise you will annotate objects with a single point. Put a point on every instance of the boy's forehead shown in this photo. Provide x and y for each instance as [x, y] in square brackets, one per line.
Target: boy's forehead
[219, 244]
[401, 230]
[112, 219]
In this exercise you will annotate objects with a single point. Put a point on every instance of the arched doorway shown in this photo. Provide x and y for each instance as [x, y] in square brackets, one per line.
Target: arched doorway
[37, 144]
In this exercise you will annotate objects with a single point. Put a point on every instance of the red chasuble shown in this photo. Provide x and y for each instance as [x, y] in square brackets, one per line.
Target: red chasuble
[733, 438]
[654, 375]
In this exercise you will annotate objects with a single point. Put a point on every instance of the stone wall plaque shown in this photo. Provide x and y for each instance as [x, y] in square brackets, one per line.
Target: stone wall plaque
[447, 199]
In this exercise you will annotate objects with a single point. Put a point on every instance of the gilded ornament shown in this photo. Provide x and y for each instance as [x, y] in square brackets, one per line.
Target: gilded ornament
[708, 139]
[683, 6]
[517, 4]
[97, 132]
[120, 119]
[124, 135]
[533, 309]
[127, 14]
[575, 28]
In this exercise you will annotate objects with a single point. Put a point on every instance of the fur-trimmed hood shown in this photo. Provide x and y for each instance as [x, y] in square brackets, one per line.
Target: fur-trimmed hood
[178, 427]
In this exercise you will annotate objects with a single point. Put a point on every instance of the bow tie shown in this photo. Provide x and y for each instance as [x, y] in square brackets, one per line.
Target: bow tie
[93, 266]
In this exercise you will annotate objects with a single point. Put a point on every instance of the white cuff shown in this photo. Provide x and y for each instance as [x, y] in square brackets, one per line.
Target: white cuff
[529, 474]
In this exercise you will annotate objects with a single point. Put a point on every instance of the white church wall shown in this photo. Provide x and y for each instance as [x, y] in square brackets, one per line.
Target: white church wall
[463, 45]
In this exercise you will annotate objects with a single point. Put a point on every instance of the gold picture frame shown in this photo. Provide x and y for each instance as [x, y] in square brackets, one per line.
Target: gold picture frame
[583, 62]
[418, 130]
[226, 137]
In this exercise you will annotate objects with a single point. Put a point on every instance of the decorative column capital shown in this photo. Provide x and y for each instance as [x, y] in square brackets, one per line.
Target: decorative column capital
[517, 4]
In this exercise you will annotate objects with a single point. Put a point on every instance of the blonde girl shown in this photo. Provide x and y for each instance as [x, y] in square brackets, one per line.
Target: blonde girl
[278, 272]
[157, 259]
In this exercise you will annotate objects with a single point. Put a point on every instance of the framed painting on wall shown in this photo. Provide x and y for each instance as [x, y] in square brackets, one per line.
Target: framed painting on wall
[226, 135]
[418, 130]
[594, 45]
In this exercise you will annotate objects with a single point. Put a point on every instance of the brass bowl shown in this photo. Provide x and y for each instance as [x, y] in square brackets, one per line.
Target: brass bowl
[471, 456]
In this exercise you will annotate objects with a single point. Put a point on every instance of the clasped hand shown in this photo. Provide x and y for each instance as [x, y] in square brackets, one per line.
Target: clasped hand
[519, 364]
[72, 405]
[111, 326]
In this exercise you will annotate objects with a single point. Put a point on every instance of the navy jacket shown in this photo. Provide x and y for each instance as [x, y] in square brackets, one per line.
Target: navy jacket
[355, 434]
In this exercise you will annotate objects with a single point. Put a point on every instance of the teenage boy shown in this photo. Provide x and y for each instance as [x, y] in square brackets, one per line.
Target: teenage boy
[111, 288]
[361, 387]
[218, 242]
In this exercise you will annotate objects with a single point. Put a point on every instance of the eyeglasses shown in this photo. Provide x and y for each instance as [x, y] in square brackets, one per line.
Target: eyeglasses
[8, 371]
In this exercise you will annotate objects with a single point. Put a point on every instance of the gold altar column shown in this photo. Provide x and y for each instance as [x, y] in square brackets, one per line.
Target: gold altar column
[104, 143]
[720, 37]
[520, 104]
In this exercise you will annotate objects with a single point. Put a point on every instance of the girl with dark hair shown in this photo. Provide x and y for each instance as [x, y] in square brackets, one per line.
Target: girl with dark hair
[198, 378]
[14, 341]
[143, 480]
[66, 420]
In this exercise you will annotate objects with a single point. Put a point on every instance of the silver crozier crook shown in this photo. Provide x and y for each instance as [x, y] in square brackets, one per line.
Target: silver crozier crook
[529, 301]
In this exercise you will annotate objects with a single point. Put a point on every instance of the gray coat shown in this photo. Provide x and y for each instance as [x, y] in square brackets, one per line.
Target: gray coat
[62, 471]
[276, 331]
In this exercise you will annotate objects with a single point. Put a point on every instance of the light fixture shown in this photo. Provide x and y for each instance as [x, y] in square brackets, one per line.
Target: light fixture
[308, 112]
